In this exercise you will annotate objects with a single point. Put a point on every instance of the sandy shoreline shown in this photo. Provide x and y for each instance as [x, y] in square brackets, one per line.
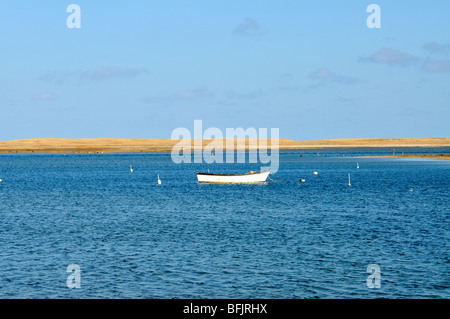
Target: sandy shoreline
[114, 145]
[430, 156]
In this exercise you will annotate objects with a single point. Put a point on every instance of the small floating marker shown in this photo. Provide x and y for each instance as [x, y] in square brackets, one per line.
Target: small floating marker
[1, 180]
[159, 181]
[131, 169]
[410, 189]
[315, 173]
[357, 165]
[302, 180]
[349, 184]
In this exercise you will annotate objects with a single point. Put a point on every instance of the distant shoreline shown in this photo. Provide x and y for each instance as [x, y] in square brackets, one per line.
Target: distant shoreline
[123, 145]
[445, 157]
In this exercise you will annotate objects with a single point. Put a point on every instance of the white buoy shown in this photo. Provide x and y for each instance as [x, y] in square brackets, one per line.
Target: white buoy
[315, 173]
[349, 184]
[410, 189]
[357, 165]
[131, 169]
[1, 180]
[302, 180]
[159, 181]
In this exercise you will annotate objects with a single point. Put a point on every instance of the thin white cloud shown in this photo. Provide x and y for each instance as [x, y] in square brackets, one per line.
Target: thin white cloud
[249, 28]
[193, 95]
[435, 47]
[113, 72]
[244, 96]
[83, 76]
[321, 74]
[324, 76]
[346, 100]
[288, 88]
[46, 96]
[58, 78]
[437, 66]
[286, 76]
[390, 57]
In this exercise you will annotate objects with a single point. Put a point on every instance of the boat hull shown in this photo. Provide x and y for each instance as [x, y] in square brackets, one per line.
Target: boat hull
[257, 177]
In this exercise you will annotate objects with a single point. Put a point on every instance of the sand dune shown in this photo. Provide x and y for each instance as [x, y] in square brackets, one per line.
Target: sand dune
[372, 142]
[98, 145]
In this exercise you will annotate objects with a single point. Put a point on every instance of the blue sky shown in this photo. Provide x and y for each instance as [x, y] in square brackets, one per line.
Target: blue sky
[140, 69]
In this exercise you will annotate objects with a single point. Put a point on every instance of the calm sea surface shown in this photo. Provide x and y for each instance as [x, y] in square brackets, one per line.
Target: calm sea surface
[133, 238]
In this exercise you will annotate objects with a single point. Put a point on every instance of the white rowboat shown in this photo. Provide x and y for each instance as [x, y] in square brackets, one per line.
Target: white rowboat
[252, 177]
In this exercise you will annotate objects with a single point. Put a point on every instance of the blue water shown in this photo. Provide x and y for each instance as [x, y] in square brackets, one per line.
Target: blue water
[133, 238]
